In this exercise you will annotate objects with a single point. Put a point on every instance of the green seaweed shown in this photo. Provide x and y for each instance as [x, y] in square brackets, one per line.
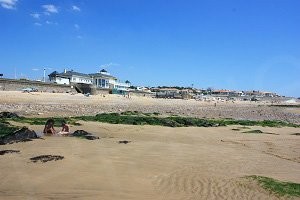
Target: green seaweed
[6, 128]
[138, 118]
[279, 187]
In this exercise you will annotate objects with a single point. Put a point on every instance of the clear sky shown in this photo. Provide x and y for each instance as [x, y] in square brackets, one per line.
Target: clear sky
[224, 44]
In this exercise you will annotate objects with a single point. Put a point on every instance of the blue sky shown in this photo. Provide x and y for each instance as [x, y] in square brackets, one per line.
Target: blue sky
[230, 44]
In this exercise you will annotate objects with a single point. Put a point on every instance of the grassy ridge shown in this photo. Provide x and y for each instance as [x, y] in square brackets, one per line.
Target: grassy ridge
[278, 187]
[137, 118]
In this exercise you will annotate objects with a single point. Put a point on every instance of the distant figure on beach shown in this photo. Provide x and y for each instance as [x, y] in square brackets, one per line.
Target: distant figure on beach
[65, 128]
[49, 127]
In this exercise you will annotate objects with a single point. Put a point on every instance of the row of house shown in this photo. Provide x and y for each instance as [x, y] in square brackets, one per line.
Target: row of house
[188, 93]
[105, 80]
[101, 79]
[252, 93]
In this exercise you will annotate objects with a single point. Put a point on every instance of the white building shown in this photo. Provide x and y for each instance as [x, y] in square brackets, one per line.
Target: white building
[68, 77]
[103, 79]
[56, 77]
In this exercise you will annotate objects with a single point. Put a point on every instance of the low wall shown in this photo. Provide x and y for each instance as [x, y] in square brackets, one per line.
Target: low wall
[18, 85]
[142, 94]
[103, 91]
[87, 88]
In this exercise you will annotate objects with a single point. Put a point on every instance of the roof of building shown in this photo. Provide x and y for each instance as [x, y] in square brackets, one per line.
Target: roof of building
[264, 92]
[53, 73]
[103, 70]
[72, 73]
[102, 75]
[168, 89]
[223, 91]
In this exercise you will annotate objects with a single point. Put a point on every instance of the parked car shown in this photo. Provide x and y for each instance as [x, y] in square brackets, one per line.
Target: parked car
[30, 90]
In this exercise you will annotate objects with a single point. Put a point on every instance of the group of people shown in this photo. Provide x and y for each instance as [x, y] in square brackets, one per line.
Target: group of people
[49, 128]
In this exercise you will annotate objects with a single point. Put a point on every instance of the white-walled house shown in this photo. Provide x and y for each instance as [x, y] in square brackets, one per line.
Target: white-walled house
[56, 77]
[101, 79]
[68, 77]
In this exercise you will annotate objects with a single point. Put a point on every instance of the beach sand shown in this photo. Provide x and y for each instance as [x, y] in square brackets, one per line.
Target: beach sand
[164, 163]
[158, 163]
[63, 104]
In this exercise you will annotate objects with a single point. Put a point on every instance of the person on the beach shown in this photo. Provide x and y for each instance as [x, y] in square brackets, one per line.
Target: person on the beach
[49, 127]
[65, 128]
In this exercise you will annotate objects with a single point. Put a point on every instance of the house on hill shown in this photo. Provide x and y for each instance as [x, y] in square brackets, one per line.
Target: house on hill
[68, 77]
[224, 93]
[168, 93]
[101, 79]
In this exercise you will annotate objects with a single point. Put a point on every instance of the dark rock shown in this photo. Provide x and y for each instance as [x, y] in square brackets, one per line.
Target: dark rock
[91, 137]
[46, 158]
[124, 142]
[84, 134]
[80, 133]
[5, 115]
[295, 134]
[22, 135]
[8, 151]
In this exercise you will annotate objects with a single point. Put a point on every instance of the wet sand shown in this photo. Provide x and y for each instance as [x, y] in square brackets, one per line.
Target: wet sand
[158, 163]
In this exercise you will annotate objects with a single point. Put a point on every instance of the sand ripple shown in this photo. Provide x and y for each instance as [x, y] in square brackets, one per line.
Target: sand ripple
[191, 184]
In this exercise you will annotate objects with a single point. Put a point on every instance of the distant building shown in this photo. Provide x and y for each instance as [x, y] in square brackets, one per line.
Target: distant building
[168, 93]
[268, 94]
[142, 89]
[68, 77]
[101, 79]
[259, 93]
[224, 93]
[58, 78]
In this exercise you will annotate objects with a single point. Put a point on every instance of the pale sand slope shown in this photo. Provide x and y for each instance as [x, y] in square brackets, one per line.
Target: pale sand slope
[160, 163]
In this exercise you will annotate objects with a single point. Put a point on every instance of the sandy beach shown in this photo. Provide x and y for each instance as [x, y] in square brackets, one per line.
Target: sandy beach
[158, 163]
[63, 104]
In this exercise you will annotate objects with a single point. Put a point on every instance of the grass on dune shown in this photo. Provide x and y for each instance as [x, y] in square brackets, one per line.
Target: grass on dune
[278, 187]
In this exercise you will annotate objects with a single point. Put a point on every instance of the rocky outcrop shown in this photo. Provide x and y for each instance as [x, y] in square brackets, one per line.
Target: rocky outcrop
[22, 135]
[124, 142]
[8, 115]
[46, 158]
[84, 134]
[3, 152]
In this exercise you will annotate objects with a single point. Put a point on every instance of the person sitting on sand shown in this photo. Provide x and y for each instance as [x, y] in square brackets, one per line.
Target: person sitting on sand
[49, 127]
[65, 128]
